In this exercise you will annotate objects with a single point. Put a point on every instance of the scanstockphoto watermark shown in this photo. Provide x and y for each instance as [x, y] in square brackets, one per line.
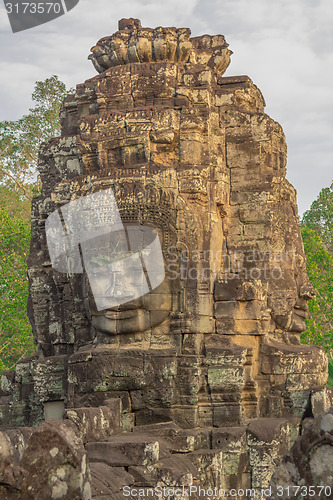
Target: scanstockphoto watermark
[25, 15]
[185, 264]
[193, 492]
[183, 492]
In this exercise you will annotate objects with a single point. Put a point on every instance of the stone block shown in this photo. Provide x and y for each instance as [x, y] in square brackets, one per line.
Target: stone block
[96, 423]
[55, 463]
[108, 480]
[235, 289]
[177, 470]
[319, 401]
[209, 465]
[125, 450]
[229, 438]
[227, 414]
[225, 326]
[225, 378]
[7, 381]
[179, 440]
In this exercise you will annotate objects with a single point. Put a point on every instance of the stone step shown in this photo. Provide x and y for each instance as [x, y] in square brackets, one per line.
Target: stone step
[108, 482]
[176, 469]
[126, 450]
[113, 496]
[180, 440]
[97, 424]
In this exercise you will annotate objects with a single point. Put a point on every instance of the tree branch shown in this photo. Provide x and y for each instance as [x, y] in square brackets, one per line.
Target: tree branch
[19, 184]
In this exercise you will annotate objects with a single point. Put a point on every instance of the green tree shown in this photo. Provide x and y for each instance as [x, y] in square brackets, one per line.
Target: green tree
[19, 145]
[317, 233]
[320, 217]
[320, 270]
[20, 139]
[15, 330]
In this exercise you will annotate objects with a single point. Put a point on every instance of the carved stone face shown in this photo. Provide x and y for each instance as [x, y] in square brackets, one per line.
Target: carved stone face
[290, 295]
[290, 290]
[124, 277]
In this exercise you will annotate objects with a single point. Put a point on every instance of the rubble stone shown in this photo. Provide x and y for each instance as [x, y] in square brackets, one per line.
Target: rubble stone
[309, 463]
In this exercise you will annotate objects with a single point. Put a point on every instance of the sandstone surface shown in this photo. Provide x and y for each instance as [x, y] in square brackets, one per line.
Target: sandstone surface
[203, 379]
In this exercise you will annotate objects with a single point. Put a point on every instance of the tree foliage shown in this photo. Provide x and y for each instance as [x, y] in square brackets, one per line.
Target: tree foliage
[20, 139]
[317, 232]
[19, 144]
[15, 330]
[320, 218]
[320, 270]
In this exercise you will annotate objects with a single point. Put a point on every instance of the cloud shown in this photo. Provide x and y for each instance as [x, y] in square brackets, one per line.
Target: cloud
[285, 47]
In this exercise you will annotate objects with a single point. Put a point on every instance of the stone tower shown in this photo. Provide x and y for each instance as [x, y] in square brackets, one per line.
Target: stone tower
[212, 354]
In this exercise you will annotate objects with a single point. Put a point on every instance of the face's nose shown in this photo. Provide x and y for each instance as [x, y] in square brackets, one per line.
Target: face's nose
[307, 292]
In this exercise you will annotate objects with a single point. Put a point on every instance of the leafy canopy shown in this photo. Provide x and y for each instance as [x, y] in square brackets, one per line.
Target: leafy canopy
[19, 145]
[20, 139]
[15, 330]
[317, 233]
[320, 218]
[320, 270]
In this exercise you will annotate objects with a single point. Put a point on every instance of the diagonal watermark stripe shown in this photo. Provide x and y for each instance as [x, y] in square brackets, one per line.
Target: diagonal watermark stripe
[25, 15]
[121, 263]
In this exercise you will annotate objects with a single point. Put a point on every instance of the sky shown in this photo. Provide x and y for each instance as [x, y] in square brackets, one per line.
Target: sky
[285, 46]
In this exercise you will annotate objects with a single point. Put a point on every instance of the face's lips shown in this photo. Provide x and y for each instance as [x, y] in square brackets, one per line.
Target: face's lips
[301, 307]
[122, 307]
[117, 315]
[301, 312]
[126, 306]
